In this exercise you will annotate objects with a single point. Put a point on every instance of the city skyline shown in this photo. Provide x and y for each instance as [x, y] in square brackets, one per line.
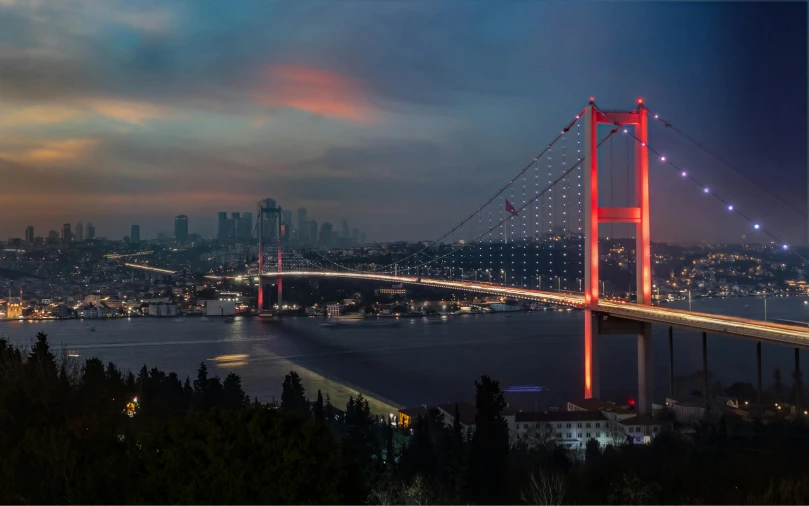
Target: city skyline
[388, 139]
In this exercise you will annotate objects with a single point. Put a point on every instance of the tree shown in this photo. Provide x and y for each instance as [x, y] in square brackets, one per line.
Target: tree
[41, 361]
[487, 477]
[592, 450]
[390, 456]
[233, 396]
[293, 396]
[318, 409]
[255, 455]
[544, 488]
[778, 384]
[359, 441]
[328, 410]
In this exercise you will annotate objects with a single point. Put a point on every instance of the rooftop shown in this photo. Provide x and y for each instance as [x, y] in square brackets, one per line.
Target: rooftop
[559, 416]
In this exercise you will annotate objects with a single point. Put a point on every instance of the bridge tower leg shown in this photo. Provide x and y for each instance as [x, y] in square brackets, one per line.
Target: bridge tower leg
[281, 231]
[637, 214]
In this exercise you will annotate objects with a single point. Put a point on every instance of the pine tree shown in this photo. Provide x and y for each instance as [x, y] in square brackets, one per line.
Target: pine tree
[318, 409]
[360, 441]
[390, 456]
[234, 396]
[41, 360]
[328, 410]
[188, 391]
[293, 396]
[487, 479]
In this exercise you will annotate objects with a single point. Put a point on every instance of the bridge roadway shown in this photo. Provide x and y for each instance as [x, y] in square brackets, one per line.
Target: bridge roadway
[793, 335]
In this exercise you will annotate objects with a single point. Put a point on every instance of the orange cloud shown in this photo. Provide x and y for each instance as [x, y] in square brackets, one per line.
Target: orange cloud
[316, 91]
[127, 111]
[54, 151]
[48, 114]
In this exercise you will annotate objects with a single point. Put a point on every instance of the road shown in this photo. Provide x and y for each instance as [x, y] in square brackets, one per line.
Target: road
[779, 333]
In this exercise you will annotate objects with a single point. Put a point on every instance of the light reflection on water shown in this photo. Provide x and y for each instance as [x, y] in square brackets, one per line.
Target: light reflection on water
[417, 362]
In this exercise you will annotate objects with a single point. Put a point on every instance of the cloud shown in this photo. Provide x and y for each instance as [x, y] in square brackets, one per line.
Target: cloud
[128, 111]
[45, 114]
[316, 91]
[53, 151]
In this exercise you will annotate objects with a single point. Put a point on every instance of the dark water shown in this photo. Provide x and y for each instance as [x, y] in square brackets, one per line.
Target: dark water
[419, 362]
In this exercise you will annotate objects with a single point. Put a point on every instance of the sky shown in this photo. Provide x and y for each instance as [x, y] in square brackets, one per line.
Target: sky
[401, 117]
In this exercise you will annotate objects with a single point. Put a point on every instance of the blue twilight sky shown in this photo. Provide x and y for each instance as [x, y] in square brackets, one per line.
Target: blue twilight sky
[398, 116]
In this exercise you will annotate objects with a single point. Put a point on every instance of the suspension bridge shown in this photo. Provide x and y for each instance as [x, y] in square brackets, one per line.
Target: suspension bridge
[543, 226]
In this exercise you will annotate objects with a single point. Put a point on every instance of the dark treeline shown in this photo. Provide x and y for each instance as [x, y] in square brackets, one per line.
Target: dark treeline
[71, 433]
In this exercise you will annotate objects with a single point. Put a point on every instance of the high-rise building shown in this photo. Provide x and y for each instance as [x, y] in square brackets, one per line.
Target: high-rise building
[91, 231]
[134, 235]
[236, 216]
[181, 228]
[78, 234]
[66, 235]
[29, 234]
[301, 218]
[346, 232]
[325, 234]
[355, 236]
[244, 227]
[312, 232]
[221, 231]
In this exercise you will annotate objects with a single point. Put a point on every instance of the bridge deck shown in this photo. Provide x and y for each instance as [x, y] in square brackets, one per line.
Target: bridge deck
[793, 335]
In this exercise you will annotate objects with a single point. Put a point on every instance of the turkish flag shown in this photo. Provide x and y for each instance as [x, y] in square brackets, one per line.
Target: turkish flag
[510, 208]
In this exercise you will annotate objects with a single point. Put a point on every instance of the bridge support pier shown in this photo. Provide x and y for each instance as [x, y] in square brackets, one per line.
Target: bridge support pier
[798, 403]
[671, 362]
[645, 370]
[592, 385]
[758, 379]
[705, 366]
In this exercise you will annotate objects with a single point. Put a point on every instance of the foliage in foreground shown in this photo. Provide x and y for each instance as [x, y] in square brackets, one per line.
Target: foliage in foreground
[65, 437]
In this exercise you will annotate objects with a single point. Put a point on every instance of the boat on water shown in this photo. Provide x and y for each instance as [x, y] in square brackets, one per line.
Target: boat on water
[179, 320]
[229, 319]
[206, 319]
[72, 353]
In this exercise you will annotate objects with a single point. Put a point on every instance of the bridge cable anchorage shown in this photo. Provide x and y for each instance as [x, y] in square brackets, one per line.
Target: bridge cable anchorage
[537, 196]
[499, 193]
[721, 160]
[707, 191]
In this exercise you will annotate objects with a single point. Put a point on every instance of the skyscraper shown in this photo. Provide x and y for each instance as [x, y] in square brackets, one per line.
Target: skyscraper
[301, 218]
[312, 232]
[66, 235]
[181, 228]
[355, 236]
[244, 227]
[29, 234]
[221, 231]
[346, 232]
[325, 234]
[134, 235]
[91, 231]
[78, 235]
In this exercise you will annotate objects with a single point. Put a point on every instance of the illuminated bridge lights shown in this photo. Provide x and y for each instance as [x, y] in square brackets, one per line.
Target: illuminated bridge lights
[717, 324]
